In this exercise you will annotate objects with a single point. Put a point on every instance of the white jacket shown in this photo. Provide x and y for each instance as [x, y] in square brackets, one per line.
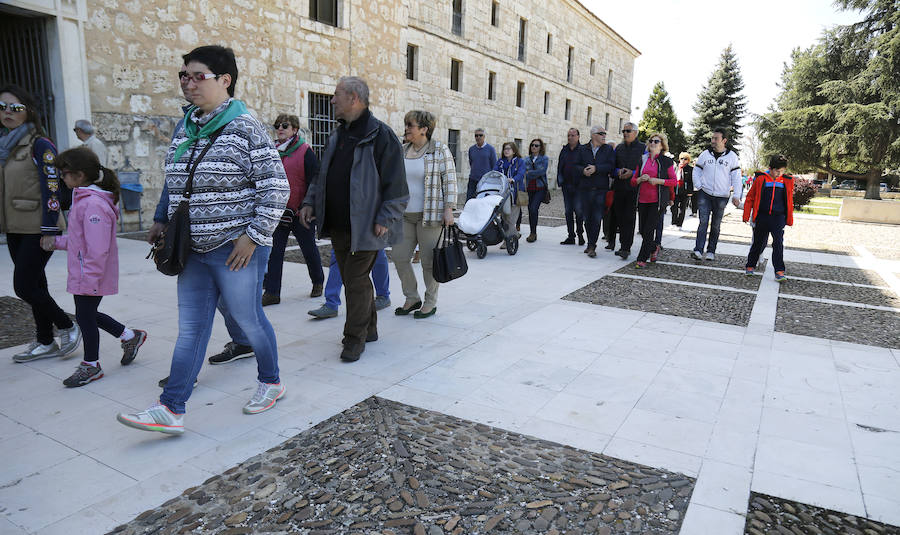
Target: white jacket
[718, 176]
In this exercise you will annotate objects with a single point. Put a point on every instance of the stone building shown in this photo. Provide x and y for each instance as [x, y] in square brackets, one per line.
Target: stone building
[514, 67]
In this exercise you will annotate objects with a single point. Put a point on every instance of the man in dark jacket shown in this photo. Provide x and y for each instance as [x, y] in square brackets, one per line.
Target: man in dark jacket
[596, 164]
[628, 158]
[363, 215]
[567, 178]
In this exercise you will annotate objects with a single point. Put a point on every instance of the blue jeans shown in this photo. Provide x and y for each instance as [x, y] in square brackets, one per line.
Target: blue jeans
[572, 205]
[706, 203]
[593, 206]
[306, 238]
[203, 282]
[380, 278]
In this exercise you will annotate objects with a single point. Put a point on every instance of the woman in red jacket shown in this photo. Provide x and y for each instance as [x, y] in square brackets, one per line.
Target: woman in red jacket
[653, 179]
[769, 206]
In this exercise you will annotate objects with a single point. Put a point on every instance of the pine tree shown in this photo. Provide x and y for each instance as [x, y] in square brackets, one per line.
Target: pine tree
[659, 116]
[719, 104]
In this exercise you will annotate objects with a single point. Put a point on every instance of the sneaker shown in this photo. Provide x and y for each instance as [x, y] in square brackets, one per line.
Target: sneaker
[531, 238]
[323, 312]
[780, 276]
[265, 397]
[580, 239]
[568, 241]
[640, 265]
[232, 351]
[592, 252]
[156, 417]
[165, 380]
[84, 374]
[69, 339]
[382, 301]
[316, 291]
[352, 352]
[269, 299]
[623, 253]
[130, 347]
[37, 351]
[749, 271]
[655, 254]
[610, 247]
[696, 255]
[710, 255]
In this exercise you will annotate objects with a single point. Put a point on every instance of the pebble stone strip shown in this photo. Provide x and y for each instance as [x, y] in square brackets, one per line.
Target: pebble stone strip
[16, 322]
[382, 467]
[768, 515]
[856, 325]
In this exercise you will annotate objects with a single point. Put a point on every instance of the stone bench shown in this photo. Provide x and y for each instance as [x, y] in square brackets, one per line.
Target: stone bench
[870, 211]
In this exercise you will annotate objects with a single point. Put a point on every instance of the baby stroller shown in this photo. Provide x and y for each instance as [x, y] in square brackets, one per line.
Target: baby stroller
[481, 220]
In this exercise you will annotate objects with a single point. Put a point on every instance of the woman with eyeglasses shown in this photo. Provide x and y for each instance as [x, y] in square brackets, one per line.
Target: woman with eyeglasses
[301, 166]
[31, 196]
[653, 178]
[535, 182]
[511, 165]
[684, 191]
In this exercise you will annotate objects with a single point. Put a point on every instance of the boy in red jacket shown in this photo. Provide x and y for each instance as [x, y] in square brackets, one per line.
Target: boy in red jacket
[769, 206]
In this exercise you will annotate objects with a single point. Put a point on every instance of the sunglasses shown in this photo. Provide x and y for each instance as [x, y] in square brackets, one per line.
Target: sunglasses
[599, 133]
[13, 107]
[628, 131]
[685, 159]
[197, 77]
[538, 145]
[479, 135]
[283, 125]
[654, 141]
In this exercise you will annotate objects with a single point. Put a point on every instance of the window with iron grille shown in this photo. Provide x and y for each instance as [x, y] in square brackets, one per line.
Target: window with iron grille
[453, 144]
[492, 82]
[412, 62]
[458, 17]
[569, 66]
[455, 74]
[523, 26]
[520, 94]
[324, 11]
[321, 121]
[568, 109]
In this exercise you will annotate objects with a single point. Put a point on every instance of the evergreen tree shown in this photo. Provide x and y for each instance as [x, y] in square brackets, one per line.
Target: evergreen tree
[659, 116]
[720, 103]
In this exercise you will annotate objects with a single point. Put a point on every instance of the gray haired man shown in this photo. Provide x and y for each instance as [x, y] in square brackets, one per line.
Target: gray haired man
[84, 131]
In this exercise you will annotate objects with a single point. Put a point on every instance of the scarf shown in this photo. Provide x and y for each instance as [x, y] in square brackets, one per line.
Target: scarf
[290, 146]
[196, 132]
[11, 138]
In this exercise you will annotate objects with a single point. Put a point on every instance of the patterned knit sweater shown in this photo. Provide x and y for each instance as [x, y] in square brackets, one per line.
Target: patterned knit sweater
[239, 186]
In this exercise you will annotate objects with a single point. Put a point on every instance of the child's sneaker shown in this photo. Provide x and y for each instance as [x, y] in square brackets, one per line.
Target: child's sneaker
[69, 339]
[640, 265]
[37, 351]
[749, 271]
[655, 254]
[84, 374]
[130, 347]
[780, 276]
[156, 417]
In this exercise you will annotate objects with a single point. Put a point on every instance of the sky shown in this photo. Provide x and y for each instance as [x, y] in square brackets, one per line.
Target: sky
[681, 41]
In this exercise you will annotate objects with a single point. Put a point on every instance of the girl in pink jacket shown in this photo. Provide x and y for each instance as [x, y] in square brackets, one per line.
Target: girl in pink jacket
[93, 257]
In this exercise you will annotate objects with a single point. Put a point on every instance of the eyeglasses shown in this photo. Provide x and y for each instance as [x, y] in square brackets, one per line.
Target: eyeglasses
[13, 107]
[655, 141]
[283, 125]
[479, 135]
[197, 77]
[685, 159]
[599, 133]
[627, 131]
[536, 145]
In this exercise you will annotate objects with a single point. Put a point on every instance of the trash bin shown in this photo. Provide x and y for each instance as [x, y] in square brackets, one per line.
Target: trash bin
[131, 196]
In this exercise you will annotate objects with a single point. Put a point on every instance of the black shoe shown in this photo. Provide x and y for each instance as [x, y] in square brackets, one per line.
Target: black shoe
[418, 314]
[163, 381]
[372, 336]
[592, 252]
[623, 253]
[610, 247]
[580, 239]
[316, 290]
[568, 241]
[232, 351]
[269, 299]
[352, 352]
[401, 311]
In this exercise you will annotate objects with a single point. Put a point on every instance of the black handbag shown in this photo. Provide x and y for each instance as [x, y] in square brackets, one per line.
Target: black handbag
[449, 259]
[546, 199]
[171, 250]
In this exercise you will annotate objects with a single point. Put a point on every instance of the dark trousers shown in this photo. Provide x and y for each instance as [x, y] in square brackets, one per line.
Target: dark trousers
[471, 187]
[360, 295]
[623, 219]
[306, 238]
[573, 210]
[535, 198]
[648, 216]
[89, 319]
[679, 209]
[694, 204]
[30, 284]
[593, 206]
[657, 236]
[767, 224]
[608, 230]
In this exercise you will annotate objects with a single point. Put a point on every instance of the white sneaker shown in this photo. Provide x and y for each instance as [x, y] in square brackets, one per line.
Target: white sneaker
[37, 351]
[265, 397]
[69, 339]
[710, 256]
[696, 255]
[156, 417]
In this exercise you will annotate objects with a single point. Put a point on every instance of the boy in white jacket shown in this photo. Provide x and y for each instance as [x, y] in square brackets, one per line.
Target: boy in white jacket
[717, 176]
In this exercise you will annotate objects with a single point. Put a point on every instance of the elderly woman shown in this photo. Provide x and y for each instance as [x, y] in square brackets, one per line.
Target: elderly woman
[684, 191]
[653, 178]
[239, 194]
[535, 182]
[431, 178]
[30, 197]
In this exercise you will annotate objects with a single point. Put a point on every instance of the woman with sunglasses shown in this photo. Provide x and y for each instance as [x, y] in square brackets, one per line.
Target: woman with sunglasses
[31, 196]
[535, 183]
[653, 179]
[684, 191]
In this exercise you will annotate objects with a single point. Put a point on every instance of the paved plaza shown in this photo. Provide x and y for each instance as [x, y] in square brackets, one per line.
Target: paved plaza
[759, 399]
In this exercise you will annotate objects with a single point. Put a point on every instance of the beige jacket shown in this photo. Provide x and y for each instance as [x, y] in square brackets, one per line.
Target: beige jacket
[29, 200]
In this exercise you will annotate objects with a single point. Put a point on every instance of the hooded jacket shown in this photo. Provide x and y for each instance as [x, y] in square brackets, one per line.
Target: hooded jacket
[718, 177]
[93, 255]
[762, 180]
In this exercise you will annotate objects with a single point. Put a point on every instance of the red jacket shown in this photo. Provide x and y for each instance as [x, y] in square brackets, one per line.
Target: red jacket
[751, 202]
[296, 175]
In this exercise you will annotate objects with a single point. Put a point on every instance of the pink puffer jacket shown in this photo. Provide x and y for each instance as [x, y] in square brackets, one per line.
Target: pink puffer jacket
[93, 256]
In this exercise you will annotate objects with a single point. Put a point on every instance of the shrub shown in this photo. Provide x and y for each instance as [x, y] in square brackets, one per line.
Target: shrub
[804, 191]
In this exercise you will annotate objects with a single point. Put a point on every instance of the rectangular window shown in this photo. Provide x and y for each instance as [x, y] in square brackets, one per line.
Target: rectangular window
[492, 80]
[589, 113]
[520, 94]
[458, 17]
[321, 121]
[522, 28]
[453, 143]
[569, 65]
[495, 14]
[609, 85]
[324, 11]
[518, 141]
[546, 102]
[606, 123]
[568, 109]
[549, 43]
[593, 65]
[455, 74]
[621, 124]
[412, 61]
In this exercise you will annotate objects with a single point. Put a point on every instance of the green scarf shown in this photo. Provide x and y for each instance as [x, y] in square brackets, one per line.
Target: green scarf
[294, 146]
[195, 133]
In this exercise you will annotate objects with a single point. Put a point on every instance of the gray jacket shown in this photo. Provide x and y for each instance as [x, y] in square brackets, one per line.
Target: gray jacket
[378, 191]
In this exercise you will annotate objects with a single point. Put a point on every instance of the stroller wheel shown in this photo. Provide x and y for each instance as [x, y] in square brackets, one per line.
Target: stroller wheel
[512, 246]
[481, 250]
[471, 244]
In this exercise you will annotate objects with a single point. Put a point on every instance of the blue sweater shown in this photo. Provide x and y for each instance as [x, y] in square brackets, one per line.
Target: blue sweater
[481, 160]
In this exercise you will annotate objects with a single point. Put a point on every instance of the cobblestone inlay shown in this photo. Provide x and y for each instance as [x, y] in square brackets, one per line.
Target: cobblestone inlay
[707, 304]
[683, 256]
[770, 515]
[838, 322]
[834, 273]
[546, 221]
[841, 292]
[692, 274]
[388, 468]
[16, 322]
[295, 255]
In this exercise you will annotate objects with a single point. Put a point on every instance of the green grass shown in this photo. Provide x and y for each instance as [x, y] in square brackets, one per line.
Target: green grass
[822, 206]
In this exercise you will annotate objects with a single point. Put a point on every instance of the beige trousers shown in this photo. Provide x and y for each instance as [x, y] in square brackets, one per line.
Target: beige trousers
[416, 233]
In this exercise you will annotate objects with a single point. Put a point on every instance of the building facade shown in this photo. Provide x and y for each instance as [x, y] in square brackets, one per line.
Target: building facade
[516, 68]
